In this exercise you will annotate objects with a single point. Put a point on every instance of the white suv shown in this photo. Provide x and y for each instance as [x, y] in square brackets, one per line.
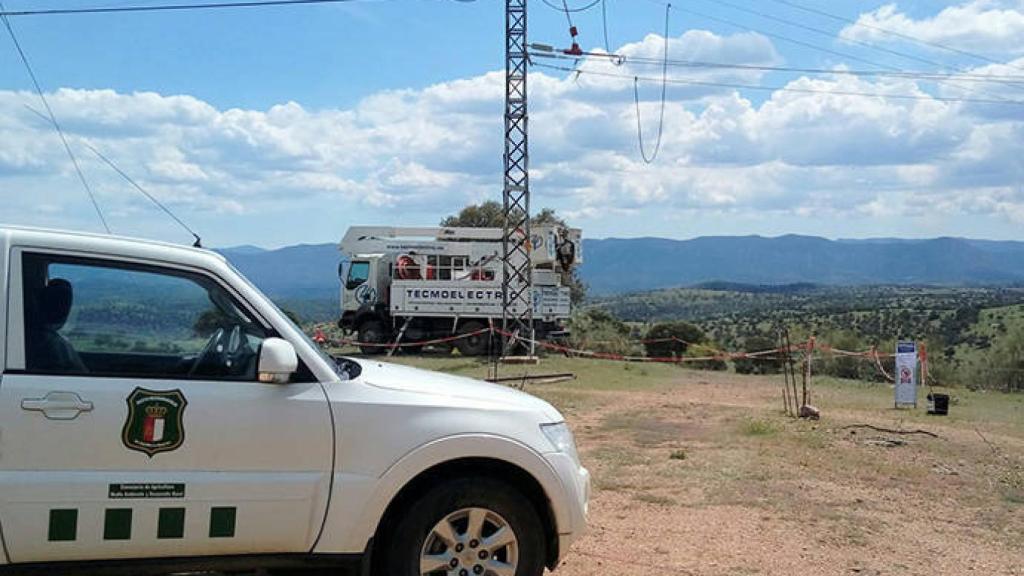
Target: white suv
[159, 414]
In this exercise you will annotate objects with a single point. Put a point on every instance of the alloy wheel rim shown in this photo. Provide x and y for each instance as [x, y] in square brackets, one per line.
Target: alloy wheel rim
[470, 542]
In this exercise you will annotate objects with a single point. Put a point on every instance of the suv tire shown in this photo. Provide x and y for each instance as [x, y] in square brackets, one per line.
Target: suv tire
[471, 526]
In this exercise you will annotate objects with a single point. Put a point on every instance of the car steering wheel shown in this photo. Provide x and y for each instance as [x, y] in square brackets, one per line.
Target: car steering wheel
[213, 348]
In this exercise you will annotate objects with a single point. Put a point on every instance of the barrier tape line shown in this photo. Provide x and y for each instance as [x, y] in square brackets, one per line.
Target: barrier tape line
[722, 355]
[346, 342]
[627, 358]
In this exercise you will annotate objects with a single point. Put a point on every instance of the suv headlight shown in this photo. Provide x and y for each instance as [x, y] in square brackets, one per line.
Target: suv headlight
[561, 438]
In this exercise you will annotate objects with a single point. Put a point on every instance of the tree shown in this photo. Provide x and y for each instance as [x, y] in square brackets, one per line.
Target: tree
[1002, 366]
[210, 321]
[491, 214]
[295, 318]
[672, 339]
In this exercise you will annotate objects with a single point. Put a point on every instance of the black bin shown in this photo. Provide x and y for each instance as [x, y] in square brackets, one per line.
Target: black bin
[938, 404]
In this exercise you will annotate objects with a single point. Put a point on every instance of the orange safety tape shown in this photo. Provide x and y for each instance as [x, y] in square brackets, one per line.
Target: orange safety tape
[807, 347]
[346, 342]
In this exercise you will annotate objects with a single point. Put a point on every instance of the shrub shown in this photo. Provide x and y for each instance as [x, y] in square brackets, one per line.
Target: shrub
[758, 427]
[598, 330]
[769, 365]
[682, 340]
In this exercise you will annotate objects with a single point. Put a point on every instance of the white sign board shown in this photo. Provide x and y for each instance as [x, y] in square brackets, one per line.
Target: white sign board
[906, 374]
[472, 299]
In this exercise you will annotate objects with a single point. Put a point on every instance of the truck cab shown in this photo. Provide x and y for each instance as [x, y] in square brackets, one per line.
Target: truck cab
[159, 414]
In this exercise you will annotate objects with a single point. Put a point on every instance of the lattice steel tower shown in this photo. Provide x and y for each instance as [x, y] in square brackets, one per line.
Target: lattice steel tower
[517, 296]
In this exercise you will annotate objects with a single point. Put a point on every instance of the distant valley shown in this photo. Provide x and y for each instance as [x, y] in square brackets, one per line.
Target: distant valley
[305, 276]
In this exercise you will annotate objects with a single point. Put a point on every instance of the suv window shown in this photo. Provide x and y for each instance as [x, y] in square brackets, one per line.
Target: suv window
[358, 273]
[86, 316]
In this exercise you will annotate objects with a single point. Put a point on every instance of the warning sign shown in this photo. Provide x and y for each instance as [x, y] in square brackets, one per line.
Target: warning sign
[906, 374]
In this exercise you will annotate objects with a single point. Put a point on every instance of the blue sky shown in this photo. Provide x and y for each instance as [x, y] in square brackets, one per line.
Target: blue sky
[286, 125]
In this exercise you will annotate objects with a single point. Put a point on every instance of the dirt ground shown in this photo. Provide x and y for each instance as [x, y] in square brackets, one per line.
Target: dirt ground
[701, 473]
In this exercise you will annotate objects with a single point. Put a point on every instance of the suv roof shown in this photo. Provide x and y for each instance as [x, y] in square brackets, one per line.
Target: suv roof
[103, 244]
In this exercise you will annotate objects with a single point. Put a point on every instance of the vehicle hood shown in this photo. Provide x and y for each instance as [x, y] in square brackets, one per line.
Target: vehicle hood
[456, 388]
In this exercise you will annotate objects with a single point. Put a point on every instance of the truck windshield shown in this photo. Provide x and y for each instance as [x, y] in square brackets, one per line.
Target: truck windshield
[358, 273]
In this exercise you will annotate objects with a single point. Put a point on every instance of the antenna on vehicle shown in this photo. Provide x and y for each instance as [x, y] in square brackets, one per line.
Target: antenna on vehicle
[198, 243]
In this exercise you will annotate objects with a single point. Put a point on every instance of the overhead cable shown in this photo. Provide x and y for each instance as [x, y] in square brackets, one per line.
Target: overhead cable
[53, 119]
[740, 86]
[604, 25]
[583, 8]
[831, 34]
[661, 115]
[889, 32]
[790, 40]
[546, 51]
[820, 31]
[168, 7]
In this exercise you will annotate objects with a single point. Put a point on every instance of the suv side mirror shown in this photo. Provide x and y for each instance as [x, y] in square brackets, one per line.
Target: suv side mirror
[277, 361]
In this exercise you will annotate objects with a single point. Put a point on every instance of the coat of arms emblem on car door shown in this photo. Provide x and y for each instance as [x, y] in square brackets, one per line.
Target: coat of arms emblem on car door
[155, 421]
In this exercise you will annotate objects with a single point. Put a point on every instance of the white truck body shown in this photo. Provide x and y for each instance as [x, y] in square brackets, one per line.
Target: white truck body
[423, 283]
[125, 445]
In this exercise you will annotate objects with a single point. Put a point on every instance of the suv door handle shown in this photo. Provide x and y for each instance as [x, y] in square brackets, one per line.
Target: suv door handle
[58, 405]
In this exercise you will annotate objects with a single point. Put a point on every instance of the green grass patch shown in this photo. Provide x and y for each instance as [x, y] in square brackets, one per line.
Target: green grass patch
[759, 427]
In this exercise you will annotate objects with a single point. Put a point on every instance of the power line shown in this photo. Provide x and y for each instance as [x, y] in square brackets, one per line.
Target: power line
[819, 31]
[604, 25]
[568, 17]
[893, 33]
[573, 10]
[53, 118]
[546, 51]
[169, 7]
[830, 34]
[780, 37]
[664, 90]
[739, 86]
[787, 39]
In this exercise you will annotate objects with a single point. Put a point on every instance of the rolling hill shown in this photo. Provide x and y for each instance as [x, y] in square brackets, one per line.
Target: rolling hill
[305, 275]
[638, 264]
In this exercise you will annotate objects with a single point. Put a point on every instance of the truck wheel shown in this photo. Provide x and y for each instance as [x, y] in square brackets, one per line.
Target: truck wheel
[469, 527]
[373, 331]
[473, 345]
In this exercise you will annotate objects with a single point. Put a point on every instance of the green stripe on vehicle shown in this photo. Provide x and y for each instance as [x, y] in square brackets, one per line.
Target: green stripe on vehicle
[63, 525]
[222, 522]
[117, 524]
[171, 523]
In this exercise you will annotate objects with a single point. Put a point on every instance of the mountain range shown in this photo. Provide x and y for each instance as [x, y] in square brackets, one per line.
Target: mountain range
[620, 265]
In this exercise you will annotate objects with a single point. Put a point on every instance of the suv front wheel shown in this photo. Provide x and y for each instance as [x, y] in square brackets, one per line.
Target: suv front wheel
[468, 527]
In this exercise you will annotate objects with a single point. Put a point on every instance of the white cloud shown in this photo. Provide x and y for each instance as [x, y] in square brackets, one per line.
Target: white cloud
[816, 154]
[986, 25]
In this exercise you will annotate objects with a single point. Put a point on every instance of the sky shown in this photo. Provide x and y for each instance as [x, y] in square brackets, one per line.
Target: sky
[285, 125]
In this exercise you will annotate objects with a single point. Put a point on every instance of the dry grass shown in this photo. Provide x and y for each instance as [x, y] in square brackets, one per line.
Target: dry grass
[701, 473]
